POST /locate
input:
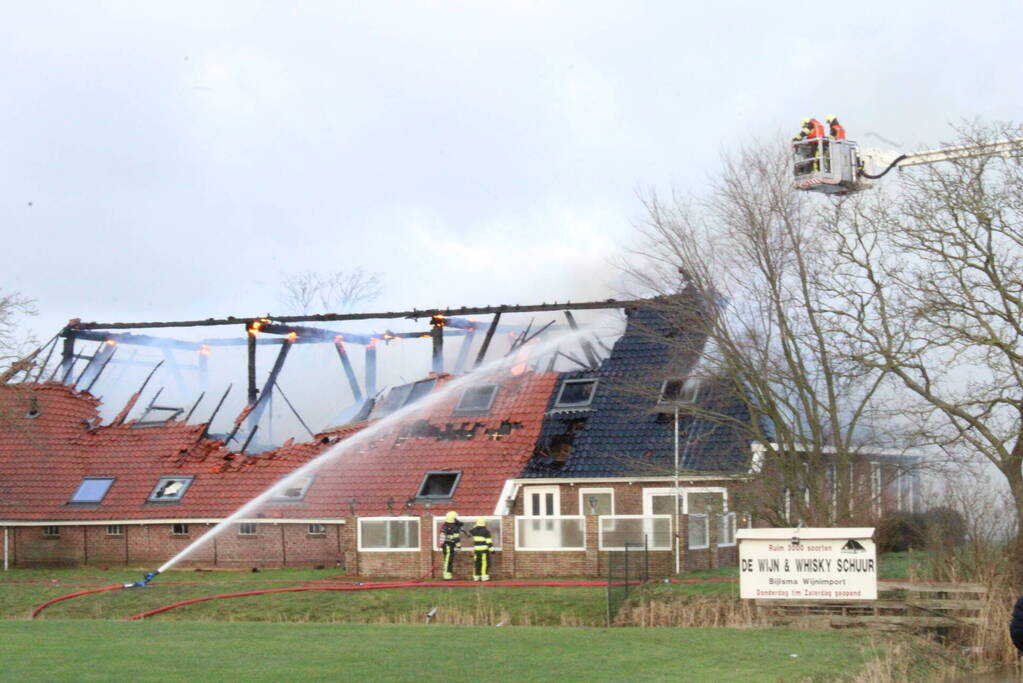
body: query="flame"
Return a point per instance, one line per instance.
(437, 320)
(255, 325)
(292, 336)
(522, 357)
(372, 343)
(111, 342)
(338, 338)
(204, 349)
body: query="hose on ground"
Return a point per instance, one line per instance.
(76, 594)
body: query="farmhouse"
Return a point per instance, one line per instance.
(564, 465)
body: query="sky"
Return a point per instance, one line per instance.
(176, 160)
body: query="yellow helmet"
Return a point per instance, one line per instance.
(831, 118)
(481, 521)
(451, 516)
(805, 121)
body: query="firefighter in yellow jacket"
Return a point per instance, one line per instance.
(482, 545)
(450, 538)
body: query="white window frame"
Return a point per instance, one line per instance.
(584, 506)
(115, 530)
(600, 528)
(419, 535)
(688, 393)
(320, 529)
(51, 531)
(438, 522)
(683, 492)
(188, 480)
(876, 490)
(527, 496)
(184, 530)
(565, 383)
(494, 388)
(734, 523)
(247, 529)
(549, 518)
(706, 533)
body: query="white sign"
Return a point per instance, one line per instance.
(807, 564)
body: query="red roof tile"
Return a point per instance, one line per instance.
(43, 458)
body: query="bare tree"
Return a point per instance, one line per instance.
(929, 289)
(751, 253)
(332, 292)
(14, 343)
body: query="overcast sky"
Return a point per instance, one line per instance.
(174, 160)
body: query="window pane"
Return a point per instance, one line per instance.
(550, 503)
(439, 484)
(91, 490)
(477, 399)
(576, 393)
(170, 488)
(704, 502)
(662, 504)
(420, 389)
(603, 503)
(697, 531)
(389, 534)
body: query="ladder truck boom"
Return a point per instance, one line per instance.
(838, 166)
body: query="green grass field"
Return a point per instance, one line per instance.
(169, 651)
(548, 633)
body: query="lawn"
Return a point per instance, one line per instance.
(66, 650)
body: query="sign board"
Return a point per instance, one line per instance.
(807, 564)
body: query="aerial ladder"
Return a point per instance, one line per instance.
(838, 167)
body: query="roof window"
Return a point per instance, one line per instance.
(680, 391)
(439, 484)
(575, 393)
(475, 400)
(293, 490)
(92, 490)
(169, 489)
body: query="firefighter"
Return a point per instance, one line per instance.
(836, 129)
(450, 538)
(482, 545)
(812, 129)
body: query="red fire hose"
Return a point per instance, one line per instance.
(46, 604)
(380, 585)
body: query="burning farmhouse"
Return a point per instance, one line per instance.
(568, 443)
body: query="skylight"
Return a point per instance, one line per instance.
(680, 391)
(439, 484)
(576, 393)
(294, 490)
(477, 399)
(92, 490)
(169, 489)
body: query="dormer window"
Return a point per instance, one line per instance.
(92, 490)
(476, 400)
(680, 390)
(170, 489)
(576, 393)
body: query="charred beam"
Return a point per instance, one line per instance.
(252, 365)
(135, 396)
(261, 402)
(414, 314)
(371, 370)
(206, 430)
(67, 360)
(109, 354)
(295, 412)
(463, 352)
(486, 339)
(346, 363)
(437, 334)
(591, 355)
(194, 406)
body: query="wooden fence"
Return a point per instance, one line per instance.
(901, 605)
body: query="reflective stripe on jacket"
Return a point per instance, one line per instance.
(481, 538)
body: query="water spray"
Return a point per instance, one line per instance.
(356, 440)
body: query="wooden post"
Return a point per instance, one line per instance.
(252, 366)
(349, 372)
(487, 338)
(437, 335)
